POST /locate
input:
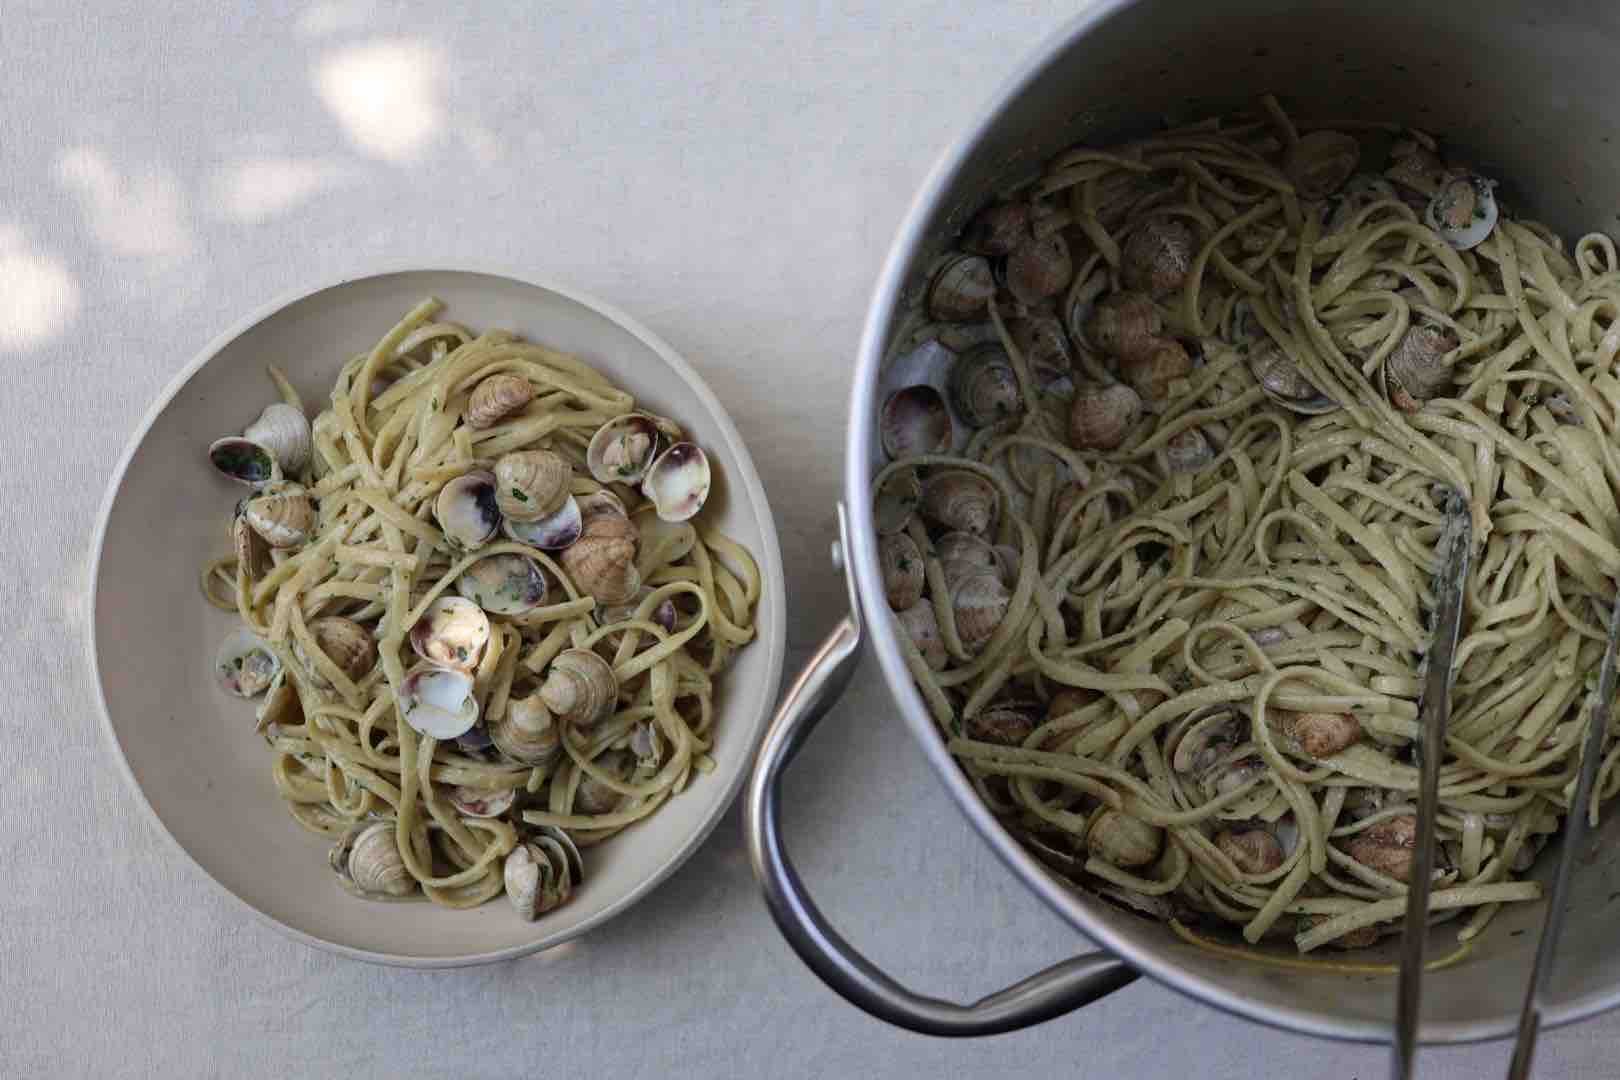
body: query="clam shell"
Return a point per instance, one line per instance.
(896, 501)
(1158, 256)
(1187, 452)
(540, 874)
(1252, 850)
(961, 555)
(678, 482)
(1320, 162)
(1153, 367)
(902, 567)
(647, 743)
(368, 863)
(1007, 723)
(1316, 735)
(1038, 268)
(496, 397)
(1122, 840)
(283, 430)
(252, 553)
(553, 532)
(482, 802)
(1416, 370)
(438, 701)
(580, 688)
(243, 460)
(452, 632)
(997, 229)
(594, 797)
(984, 387)
(527, 732)
(1045, 346)
(1283, 382)
(244, 664)
(624, 448)
(1123, 323)
(531, 484)
(1102, 415)
(506, 584)
(960, 499)
(602, 562)
(1386, 846)
(467, 511)
(284, 518)
(919, 623)
(979, 603)
(961, 288)
(664, 614)
(1463, 211)
(345, 642)
(915, 421)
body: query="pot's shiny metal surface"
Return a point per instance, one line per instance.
(1524, 91)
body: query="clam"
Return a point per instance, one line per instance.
(1123, 324)
(647, 743)
(1283, 382)
(960, 499)
(507, 584)
(1038, 268)
(896, 500)
(531, 484)
(244, 461)
(979, 603)
(902, 565)
(1157, 257)
(482, 802)
(1102, 415)
(344, 642)
(1317, 735)
(1045, 347)
(1415, 370)
(1463, 211)
(496, 397)
(1006, 722)
(593, 796)
(663, 614)
(245, 664)
(541, 873)
(1009, 562)
(1153, 367)
(1386, 846)
(281, 706)
(580, 688)
(284, 517)
(1252, 850)
(678, 482)
(1415, 166)
(283, 430)
(475, 740)
(623, 449)
(368, 862)
(997, 229)
(1122, 840)
(1320, 162)
(438, 702)
(962, 555)
(527, 732)
(984, 387)
(602, 562)
(452, 632)
(961, 288)
(919, 623)
(1187, 452)
(252, 553)
(467, 511)
(915, 421)
(554, 532)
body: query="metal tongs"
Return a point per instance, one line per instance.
(1455, 549)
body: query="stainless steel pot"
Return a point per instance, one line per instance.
(1526, 91)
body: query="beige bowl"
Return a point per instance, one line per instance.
(191, 750)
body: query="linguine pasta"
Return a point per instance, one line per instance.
(1187, 674)
(382, 554)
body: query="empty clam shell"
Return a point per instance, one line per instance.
(553, 532)
(244, 461)
(915, 421)
(438, 701)
(896, 501)
(245, 665)
(345, 642)
(961, 288)
(623, 449)
(506, 584)
(283, 430)
(467, 511)
(453, 631)
(1463, 211)
(678, 482)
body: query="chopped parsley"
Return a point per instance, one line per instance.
(517, 493)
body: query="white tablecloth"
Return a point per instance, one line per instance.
(730, 173)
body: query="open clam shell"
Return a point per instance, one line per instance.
(678, 482)
(916, 421)
(283, 430)
(1284, 383)
(1463, 211)
(624, 449)
(467, 510)
(438, 701)
(506, 584)
(553, 532)
(481, 802)
(245, 665)
(245, 461)
(452, 632)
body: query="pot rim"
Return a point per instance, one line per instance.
(863, 563)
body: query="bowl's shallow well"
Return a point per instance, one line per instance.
(191, 750)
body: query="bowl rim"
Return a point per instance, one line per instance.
(774, 633)
(859, 443)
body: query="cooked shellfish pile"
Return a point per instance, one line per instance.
(1167, 435)
(480, 611)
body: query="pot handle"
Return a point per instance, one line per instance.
(1058, 989)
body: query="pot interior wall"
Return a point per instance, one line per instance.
(1524, 93)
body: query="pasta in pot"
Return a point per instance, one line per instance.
(1161, 520)
(488, 625)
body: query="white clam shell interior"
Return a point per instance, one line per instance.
(439, 702)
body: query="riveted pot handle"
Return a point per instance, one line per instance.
(1058, 989)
